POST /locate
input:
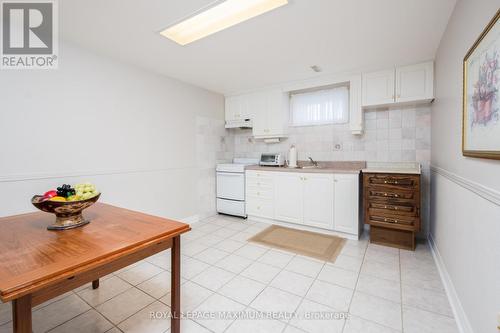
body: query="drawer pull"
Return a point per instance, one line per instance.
(394, 182)
(389, 207)
(385, 194)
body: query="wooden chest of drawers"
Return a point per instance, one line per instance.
(392, 208)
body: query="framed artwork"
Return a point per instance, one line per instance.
(481, 95)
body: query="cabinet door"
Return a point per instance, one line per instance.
(378, 88)
(288, 196)
(258, 108)
(231, 108)
(319, 200)
(277, 112)
(415, 82)
(346, 211)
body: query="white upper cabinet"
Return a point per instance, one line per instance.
(257, 104)
(378, 88)
(268, 110)
(271, 119)
(405, 84)
(232, 108)
(237, 108)
(414, 82)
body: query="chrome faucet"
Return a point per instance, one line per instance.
(313, 161)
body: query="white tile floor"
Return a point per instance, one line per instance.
(382, 289)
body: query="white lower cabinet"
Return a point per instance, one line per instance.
(288, 197)
(346, 199)
(259, 191)
(321, 200)
(318, 200)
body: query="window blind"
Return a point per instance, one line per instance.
(325, 106)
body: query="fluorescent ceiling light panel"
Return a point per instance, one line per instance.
(219, 17)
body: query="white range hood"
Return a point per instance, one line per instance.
(240, 123)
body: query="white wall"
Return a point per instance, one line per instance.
(131, 132)
(465, 211)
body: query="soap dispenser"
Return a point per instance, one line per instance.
(292, 157)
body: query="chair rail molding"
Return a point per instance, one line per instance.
(83, 173)
(481, 190)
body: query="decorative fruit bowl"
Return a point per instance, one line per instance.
(67, 205)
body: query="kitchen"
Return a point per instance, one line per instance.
(381, 117)
(250, 166)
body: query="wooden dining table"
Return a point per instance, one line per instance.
(37, 264)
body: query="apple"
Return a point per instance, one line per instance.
(50, 194)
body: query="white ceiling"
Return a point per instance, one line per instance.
(279, 46)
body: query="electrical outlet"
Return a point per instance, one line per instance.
(337, 146)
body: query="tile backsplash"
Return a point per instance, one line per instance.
(391, 135)
(402, 134)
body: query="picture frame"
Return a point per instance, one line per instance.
(481, 95)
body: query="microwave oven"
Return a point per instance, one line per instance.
(272, 159)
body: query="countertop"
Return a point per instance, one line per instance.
(324, 167)
(393, 167)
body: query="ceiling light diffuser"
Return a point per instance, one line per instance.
(222, 15)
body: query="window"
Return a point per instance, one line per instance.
(325, 106)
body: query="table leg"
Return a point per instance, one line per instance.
(175, 301)
(21, 314)
(95, 284)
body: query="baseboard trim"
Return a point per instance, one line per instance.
(191, 219)
(481, 190)
(456, 306)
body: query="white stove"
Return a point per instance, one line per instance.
(231, 186)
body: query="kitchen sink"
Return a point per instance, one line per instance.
(310, 167)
